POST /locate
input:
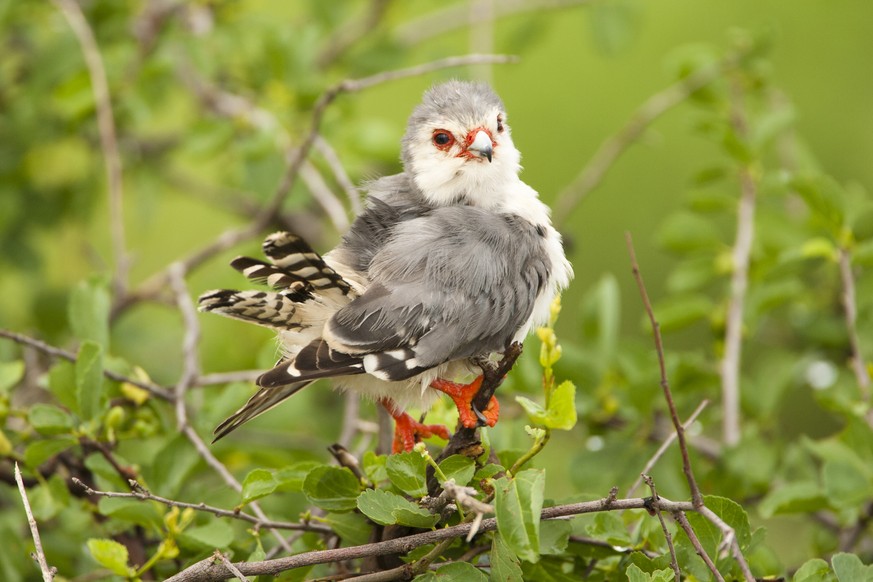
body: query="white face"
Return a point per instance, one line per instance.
(449, 160)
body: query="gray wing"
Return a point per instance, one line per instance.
(455, 283)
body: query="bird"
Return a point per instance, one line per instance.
(451, 261)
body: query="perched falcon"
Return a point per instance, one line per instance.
(452, 260)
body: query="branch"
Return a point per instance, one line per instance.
(106, 127)
(696, 497)
(742, 251)
(45, 348)
(207, 570)
(466, 441)
(615, 145)
(673, 562)
(664, 446)
(140, 493)
(698, 547)
(48, 574)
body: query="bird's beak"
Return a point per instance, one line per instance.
(481, 145)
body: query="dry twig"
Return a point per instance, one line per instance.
(48, 574)
(673, 562)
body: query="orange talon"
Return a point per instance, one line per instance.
(408, 431)
(463, 395)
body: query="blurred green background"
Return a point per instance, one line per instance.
(191, 172)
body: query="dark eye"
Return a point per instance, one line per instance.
(499, 124)
(442, 138)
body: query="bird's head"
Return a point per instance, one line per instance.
(457, 146)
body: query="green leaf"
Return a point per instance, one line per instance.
(218, 534)
(635, 574)
(561, 413)
(62, 383)
(38, 452)
(535, 412)
(374, 466)
(554, 535)
(258, 483)
(611, 529)
(815, 570)
(846, 484)
(332, 488)
(89, 379)
(685, 231)
(177, 459)
(132, 510)
(680, 311)
(291, 478)
(731, 513)
(849, 568)
(352, 527)
(50, 498)
(407, 472)
(459, 468)
(456, 572)
(89, 312)
(49, 420)
(111, 555)
(10, 374)
(504, 564)
(387, 508)
(518, 504)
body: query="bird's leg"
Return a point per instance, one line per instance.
(463, 395)
(408, 431)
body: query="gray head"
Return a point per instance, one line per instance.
(457, 146)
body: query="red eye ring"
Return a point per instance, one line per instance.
(443, 139)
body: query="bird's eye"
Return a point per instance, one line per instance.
(499, 124)
(442, 139)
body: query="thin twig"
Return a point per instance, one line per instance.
(140, 493)
(351, 421)
(614, 146)
(323, 147)
(585, 541)
(229, 565)
(673, 561)
(207, 570)
(108, 140)
(729, 369)
(190, 357)
(850, 311)
(696, 497)
(355, 28)
(695, 541)
(664, 446)
(729, 541)
(227, 377)
(55, 352)
(48, 573)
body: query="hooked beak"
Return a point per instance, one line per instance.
(481, 145)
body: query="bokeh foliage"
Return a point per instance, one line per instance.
(797, 487)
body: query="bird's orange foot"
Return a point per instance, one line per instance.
(408, 431)
(463, 395)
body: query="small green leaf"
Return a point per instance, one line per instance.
(49, 420)
(258, 483)
(89, 312)
(387, 508)
(518, 504)
(849, 568)
(459, 468)
(291, 478)
(535, 412)
(731, 513)
(504, 563)
(635, 574)
(89, 379)
(846, 484)
(332, 488)
(177, 459)
(38, 452)
(111, 555)
(407, 473)
(374, 466)
(457, 572)
(352, 527)
(62, 384)
(611, 529)
(561, 413)
(815, 570)
(554, 535)
(132, 510)
(10, 374)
